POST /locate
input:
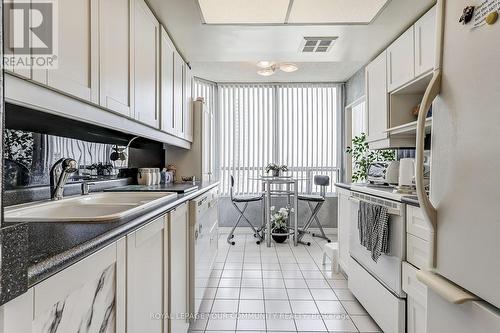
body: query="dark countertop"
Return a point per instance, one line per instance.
(343, 185)
(174, 187)
(40, 250)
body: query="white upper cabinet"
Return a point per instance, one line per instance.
(400, 60)
(167, 83)
(145, 278)
(425, 38)
(146, 69)
(188, 103)
(115, 56)
(377, 98)
(178, 95)
(78, 70)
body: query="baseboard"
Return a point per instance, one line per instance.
(246, 230)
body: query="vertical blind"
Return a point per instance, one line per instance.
(291, 124)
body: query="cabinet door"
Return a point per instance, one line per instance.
(167, 83)
(145, 277)
(146, 69)
(88, 296)
(178, 95)
(425, 37)
(8, 48)
(78, 71)
(115, 55)
(377, 98)
(401, 60)
(179, 268)
(188, 104)
(344, 221)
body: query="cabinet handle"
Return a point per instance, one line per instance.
(444, 288)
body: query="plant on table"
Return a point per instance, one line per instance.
(362, 157)
(279, 223)
(276, 169)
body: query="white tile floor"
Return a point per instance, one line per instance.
(279, 289)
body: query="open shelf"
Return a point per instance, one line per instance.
(409, 128)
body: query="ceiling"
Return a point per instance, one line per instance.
(229, 53)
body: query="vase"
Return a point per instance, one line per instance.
(280, 238)
(276, 173)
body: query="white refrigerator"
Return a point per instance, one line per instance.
(464, 208)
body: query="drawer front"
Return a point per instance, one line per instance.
(412, 286)
(416, 224)
(418, 252)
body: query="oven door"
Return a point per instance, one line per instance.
(388, 268)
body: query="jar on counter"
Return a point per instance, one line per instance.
(145, 176)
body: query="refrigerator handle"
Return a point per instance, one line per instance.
(432, 91)
(444, 288)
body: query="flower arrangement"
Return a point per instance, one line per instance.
(279, 223)
(276, 169)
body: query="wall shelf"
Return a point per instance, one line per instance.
(409, 128)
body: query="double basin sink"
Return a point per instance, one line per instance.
(95, 207)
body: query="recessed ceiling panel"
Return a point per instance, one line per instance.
(244, 11)
(334, 11)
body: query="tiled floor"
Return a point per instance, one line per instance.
(279, 289)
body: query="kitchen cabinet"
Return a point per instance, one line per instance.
(87, 296)
(178, 236)
(116, 56)
(188, 103)
(145, 277)
(146, 65)
(344, 221)
(425, 37)
(78, 69)
(416, 300)
(167, 83)
(178, 95)
(401, 60)
(377, 98)
(418, 237)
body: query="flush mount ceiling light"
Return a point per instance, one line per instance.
(270, 70)
(300, 12)
(265, 64)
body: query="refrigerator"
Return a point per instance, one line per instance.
(464, 202)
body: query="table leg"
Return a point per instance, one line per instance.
(263, 211)
(296, 214)
(268, 215)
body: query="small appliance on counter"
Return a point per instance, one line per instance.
(383, 173)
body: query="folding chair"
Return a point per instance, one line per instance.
(240, 199)
(323, 182)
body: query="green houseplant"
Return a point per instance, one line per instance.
(362, 157)
(276, 169)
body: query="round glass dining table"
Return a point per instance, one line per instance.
(282, 186)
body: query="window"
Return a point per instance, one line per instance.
(291, 124)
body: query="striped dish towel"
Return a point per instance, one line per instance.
(373, 227)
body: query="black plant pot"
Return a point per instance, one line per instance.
(276, 173)
(280, 238)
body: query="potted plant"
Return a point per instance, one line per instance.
(362, 157)
(276, 169)
(279, 224)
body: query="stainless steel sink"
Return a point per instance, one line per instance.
(95, 207)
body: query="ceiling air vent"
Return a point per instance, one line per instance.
(317, 44)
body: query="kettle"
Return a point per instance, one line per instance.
(406, 172)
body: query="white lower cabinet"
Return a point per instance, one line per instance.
(344, 220)
(88, 296)
(145, 278)
(416, 301)
(178, 227)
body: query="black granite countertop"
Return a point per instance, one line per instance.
(36, 251)
(411, 200)
(343, 185)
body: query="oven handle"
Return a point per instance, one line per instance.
(390, 210)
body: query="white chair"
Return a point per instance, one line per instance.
(331, 251)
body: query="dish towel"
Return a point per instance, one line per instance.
(373, 227)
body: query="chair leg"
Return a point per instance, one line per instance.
(318, 223)
(231, 234)
(307, 225)
(242, 216)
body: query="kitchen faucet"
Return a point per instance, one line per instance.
(59, 174)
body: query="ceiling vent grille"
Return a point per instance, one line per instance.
(317, 44)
